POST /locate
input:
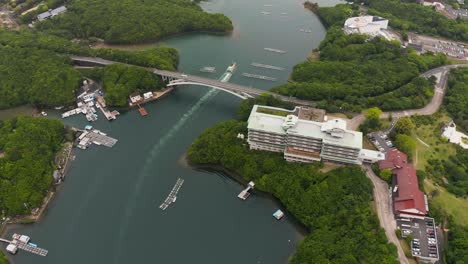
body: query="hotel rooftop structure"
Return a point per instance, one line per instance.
(370, 25)
(303, 136)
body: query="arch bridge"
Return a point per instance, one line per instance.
(177, 79)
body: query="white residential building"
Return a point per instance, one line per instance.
(301, 140)
(51, 13)
(370, 25)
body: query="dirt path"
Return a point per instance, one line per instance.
(384, 211)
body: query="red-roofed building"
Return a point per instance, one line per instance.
(408, 200)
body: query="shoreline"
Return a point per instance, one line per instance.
(216, 168)
(102, 44)
(53, 189)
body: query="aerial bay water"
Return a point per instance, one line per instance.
(107, 210)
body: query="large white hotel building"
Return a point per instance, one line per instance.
(303, 136)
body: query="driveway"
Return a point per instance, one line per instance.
(384, 211)
(439, 92)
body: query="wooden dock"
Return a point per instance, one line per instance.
(172, 196)
(142, 110)
(245, 193)
(35, 250)
(20, 245)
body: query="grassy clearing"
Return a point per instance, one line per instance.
(272, 111)
(447, 202)
(438, 148)
(407, 249)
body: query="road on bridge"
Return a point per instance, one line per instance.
(236, 88)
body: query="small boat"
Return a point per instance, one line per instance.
(175, 198)
(302, 30)
(232, 68)
(278, 214)
(265, 12)
(32, 244)
(43, 113)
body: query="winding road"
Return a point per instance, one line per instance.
(384, 211)
(439, 91)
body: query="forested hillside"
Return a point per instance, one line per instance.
(119, 81)
(132, 21)
(35, 69)
(417, 18)
(28, 147)
(335, 206)
(354, 73)
(36, 77)
(161, 57)
(456, 98)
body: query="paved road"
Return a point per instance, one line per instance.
(236, 88)
(429, 109)
(384, 210)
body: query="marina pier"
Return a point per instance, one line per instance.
(22, 242)
(245, 193)
(173, 195)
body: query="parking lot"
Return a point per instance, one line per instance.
(456, 13)
(449, 48)
(381, 141)
(425, 243)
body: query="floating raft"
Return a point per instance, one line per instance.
(275, 50)
(261, 77)
(173, 195)
(266, 66)
(208, 69)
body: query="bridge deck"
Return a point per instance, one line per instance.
(202, 81)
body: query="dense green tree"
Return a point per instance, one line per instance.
(132, 21)
(418, 18)
(354, 73)
(161, 57)
(386, 175)
(29, 145)
(404, 125)
(406, 144)
(37, 77)
(119, 81)
(456, 99)
(457, 249)
(3, 258)
(373, 113)
(336, 15)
